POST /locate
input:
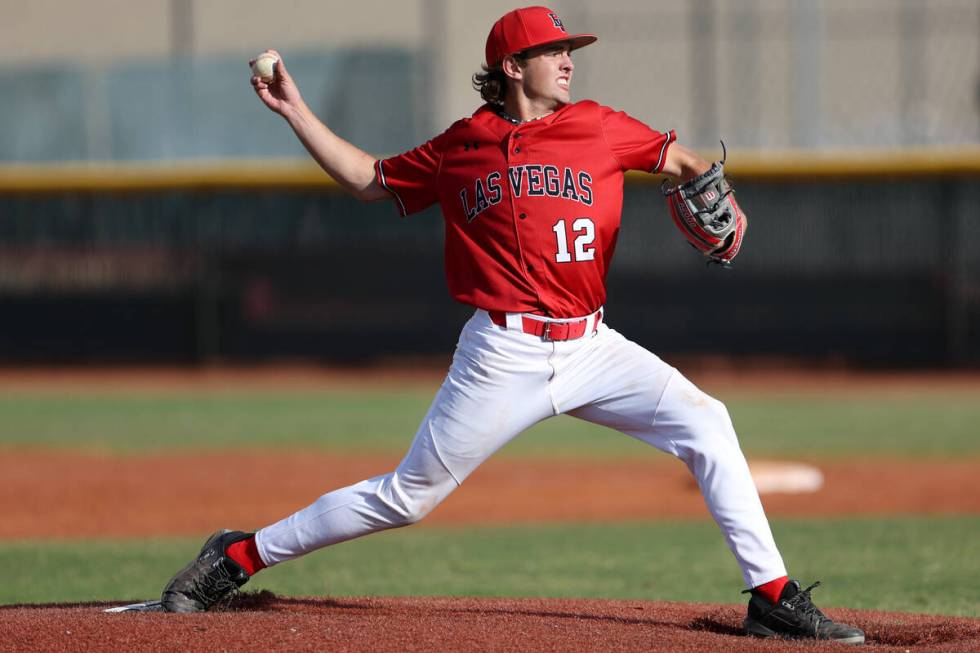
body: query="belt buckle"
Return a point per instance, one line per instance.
(546, 336)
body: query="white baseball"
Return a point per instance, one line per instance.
(264, 67)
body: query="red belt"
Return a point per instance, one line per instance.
(547, 330)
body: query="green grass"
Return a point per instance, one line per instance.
(897, 425)
(913, 564)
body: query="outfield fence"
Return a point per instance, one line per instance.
(869, 259)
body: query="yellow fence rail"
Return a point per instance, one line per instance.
(299, 174)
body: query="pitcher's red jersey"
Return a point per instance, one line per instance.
(532, 211)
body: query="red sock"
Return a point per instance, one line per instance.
(771, 590)
(245, 553)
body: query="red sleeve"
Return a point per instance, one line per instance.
(411, 177)
(635, 146)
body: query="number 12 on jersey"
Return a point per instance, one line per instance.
(584, 251)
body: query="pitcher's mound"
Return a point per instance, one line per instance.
(264, 622)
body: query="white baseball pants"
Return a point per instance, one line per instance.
(503, 381)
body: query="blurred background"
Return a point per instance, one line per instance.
(198, 329)
(153, 211)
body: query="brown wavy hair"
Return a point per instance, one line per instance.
(492, 82)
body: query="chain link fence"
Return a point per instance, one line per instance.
(760, 74)
(790, 73)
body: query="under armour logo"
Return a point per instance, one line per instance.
(557, 21)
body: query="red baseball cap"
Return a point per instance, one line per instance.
(529, 27)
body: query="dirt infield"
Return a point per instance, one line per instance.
(263, 622)
(101, 495)
(87, 494)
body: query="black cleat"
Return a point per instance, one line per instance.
(795, 617)
(209, 578)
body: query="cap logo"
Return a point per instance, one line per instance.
(557, 21)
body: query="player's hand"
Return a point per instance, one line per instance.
(281, 94)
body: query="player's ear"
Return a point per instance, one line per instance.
(512, 67)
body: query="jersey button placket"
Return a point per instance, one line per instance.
(514, 159)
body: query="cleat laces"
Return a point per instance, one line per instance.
(210, 588)
(803, 604)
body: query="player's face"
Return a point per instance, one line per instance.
(547, 74)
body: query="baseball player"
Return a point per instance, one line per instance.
(531, 191)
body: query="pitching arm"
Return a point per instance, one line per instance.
(349, 165)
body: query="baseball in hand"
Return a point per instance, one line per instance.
(264, 67)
